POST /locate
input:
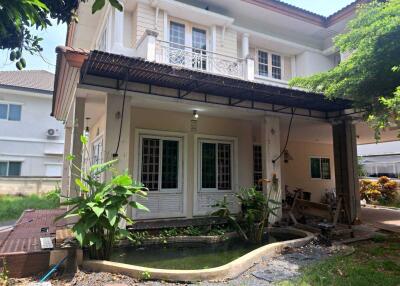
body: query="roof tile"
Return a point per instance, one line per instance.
(34, 79)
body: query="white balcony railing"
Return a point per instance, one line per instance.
(199, 59)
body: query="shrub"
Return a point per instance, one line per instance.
(383, 191)
(256, 209)
(101, 208)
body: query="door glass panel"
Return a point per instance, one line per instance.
(199, 44)
(208, 166)
(170, 164)
(224, 166)
(257, 166)
(150, 163)
(177, 39)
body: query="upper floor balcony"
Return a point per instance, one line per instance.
(199, 59)
(153, 49)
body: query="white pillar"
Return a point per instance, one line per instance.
(346, 171)
(118, 30)
(248, 67)
(65, 180)
(245, 45)
(271, 149)
(76, 150)
(165, 24)
(146, 47)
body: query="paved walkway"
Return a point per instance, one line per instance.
(387, 219)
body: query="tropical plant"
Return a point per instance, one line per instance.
(370, 76)
(101, 207)
(255, 211)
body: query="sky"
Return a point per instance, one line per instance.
(55, 35)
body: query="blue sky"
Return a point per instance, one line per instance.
(55, 35)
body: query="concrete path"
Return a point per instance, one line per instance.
(384, 218)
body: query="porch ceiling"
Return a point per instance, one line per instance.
(186, 81)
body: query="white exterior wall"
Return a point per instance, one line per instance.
(309, 63)
(26, 140)
(227, 43)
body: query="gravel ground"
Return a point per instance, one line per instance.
(281, 267)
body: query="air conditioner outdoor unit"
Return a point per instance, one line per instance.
(52, 133)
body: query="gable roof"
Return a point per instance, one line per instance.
(306, 15)
(28, 79)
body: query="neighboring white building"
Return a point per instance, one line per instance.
(381, 159)
(31, 141)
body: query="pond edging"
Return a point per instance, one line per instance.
(227, 271)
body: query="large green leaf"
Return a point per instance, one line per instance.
(112, 215)
(116, 4)
(97, 5)
(81, 185)
(138, 206)
(122, 180)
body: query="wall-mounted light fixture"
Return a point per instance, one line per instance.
(195, 114)
(86, 132)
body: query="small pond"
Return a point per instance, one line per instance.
(189, 256)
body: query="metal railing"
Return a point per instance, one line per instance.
(198, 59)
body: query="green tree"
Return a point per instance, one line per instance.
(17, 17)
(370, 76)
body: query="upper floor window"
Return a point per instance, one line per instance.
(276, 67)
(10, 168)
(11, 112)
(269, 64)
(320, 168)
(177, 34)
(262, 63)
(199, 44)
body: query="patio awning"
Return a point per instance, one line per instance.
(119, 69)
(186, 80)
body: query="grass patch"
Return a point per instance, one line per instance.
(11, 207)
(373, 263)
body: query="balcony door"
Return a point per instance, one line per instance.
(199, 44)
(176, 53)
(187, 46)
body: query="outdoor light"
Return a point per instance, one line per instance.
(86, 132)
(195, 114)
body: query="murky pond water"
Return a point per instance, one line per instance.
(190, 255)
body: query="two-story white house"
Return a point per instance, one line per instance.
(192, 97)
(31, 141)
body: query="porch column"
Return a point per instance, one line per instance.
(65, 180)
(271, 149)
(146, 47)
(248, 67)
(245, 45)
(76, 150)
(346, 176)
(114, 115)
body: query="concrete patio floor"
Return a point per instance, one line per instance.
(380, 217)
